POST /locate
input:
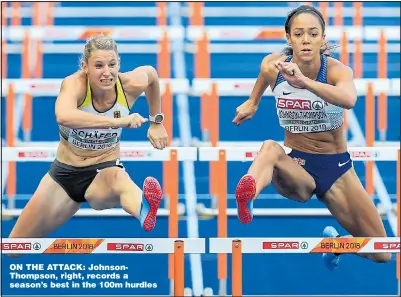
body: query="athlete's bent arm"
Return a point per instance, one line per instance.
(152, 92)
(146, 79)
(247, 109)
(261, 83)
(342, 93)
(67, 113)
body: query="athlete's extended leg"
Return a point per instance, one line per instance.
(351, 205)
(112, 187)
(272, 165)
(48, 208)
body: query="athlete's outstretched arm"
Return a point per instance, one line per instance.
(342, 93)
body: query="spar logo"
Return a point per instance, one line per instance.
(297, 104)
(36, 154)
(251, 154)
(300, 104)
(282, 245)
(393, 246)
(136, 154)
(317, 105)
(126, 247)
(16, 246)
(364, 154)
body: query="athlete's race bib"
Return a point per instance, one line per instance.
(303, 115)
(98, 139)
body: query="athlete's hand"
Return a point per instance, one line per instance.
(245, 112)
(134, 120)
(291, 73)
(157, 136)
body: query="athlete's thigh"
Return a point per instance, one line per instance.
(103, 191)
(48, 208)
(292, 181)
(351, 205)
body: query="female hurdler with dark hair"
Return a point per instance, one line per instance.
(311, 91)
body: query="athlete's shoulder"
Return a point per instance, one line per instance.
(138, 79)
(75, 82)
(273, 57)
(78, 76)
(267, 68)
(337, 70)
(269, 60)
(336, 65)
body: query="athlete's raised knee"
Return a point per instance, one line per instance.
(120, 177)
(272, 148)
(270, 144)
(122, 182)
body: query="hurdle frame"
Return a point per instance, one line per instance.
(252, 245)
(222, 155)
(171, 155)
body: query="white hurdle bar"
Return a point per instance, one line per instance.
(208, 154)
(51, 87)
(196, 87)
(74, 33)
(243, 86)
(141, 154)
(101, 245)
(149, 154)
(305, 245)
(228, 33)
(248, 154)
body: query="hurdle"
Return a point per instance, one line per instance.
(137, 154)
(171, 155)
(176, 247)
(239, 246)
(222, 155)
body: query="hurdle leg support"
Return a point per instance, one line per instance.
(179, 268)
(236, 278)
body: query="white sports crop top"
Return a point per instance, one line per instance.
(98, 139)
(301, 111)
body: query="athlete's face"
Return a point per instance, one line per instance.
(306, 36)
(102, 69)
